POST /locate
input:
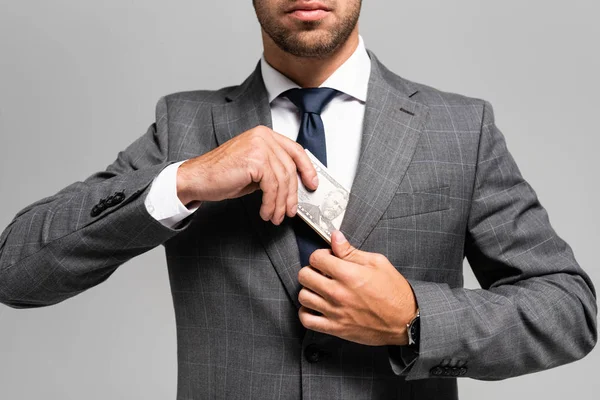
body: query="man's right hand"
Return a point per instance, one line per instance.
(256, 159)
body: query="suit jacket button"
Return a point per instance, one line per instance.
(437, 371)
(119, 197)
(312, 353)
(455, 371)
(97, 210)
(462, 371)
(110, 201)
(101, 206)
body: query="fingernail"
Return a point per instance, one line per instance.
(316, 181)
(264, 216)
(294, 210)
(339, 237)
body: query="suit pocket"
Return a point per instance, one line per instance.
(421, 202)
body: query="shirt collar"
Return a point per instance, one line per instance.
(352, 77)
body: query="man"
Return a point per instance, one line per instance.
(332, 207)
(214, 180)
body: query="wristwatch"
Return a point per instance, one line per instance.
(413, 329)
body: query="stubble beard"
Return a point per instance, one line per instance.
(309, 41)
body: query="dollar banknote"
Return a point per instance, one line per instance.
(323, 209)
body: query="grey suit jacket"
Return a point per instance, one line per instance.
(435, 184)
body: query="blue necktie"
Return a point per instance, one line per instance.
(311, 102)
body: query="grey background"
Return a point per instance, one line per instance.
(69, 64)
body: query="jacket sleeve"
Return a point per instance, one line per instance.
(536, 308)
(64, 244)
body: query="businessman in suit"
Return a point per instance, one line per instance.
(261, 310)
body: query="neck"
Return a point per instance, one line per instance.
(308, 71)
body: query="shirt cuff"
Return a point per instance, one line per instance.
(162, 202)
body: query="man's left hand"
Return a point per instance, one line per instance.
(357, 296)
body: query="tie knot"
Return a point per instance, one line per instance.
(311, 100)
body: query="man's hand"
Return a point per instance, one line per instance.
(360, 296)
(256, 159)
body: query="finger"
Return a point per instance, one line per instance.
(342, 249)
(315, 281)
(325, 262)
(312, 300)
(269, 186)
(283, 179)
(319, 323)
(291, 175)
(308, 173)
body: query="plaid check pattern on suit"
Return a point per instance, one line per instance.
(435, 184)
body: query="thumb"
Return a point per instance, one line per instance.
(343, 249)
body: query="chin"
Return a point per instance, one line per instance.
(315, 43)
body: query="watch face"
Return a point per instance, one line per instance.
(414, 331)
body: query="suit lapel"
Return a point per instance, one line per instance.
(248, 107)
(392, 126)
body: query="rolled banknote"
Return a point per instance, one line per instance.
(323, 209)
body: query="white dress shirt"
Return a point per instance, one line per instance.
(342, 118)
